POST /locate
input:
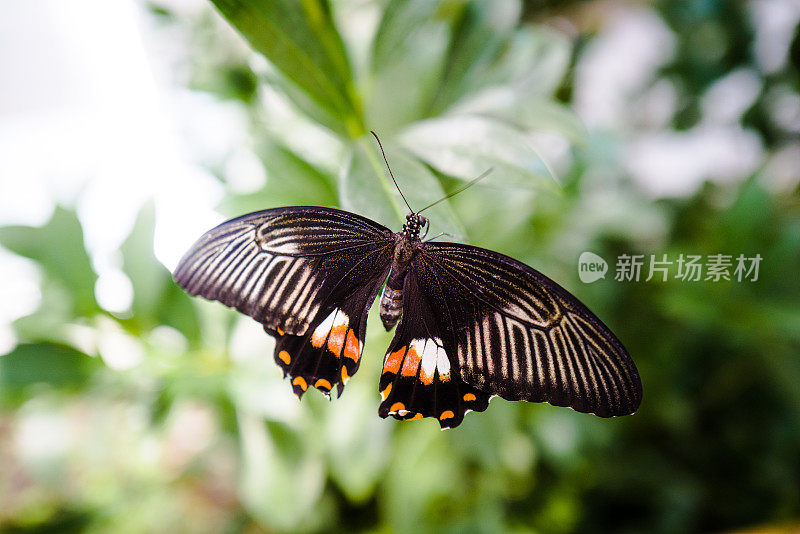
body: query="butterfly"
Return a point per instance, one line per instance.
(471, 323)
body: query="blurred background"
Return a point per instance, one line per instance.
(128, 128)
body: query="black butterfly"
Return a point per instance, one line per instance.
(473, 323)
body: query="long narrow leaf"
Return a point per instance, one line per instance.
(400, 20)
(301, 40)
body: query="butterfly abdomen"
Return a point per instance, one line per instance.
(392, 296)
(391, 306)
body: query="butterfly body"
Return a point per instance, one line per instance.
(471, 323)
(406, 243)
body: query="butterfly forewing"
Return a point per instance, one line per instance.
(308, 274)
(520, 335)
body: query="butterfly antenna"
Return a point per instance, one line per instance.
(454, 193)
(390, 171)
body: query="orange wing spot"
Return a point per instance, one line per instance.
(417, 416)
(447, 414)
(284, 357)
(469, 397)
(318, 339)
(394, 360)
(280, 332)
(410, 363)
(322, 383)
(352, 347)
(345, 376)
(425, 378)
(385, 392)
(336, 339)
(397, 406)
(445, 377)
(300, 381)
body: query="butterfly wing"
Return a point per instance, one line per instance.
(515, 333)
(420, 376)
(307, 274)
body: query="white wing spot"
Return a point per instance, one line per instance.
(434, 357)
(336, 318)
(427, 349)
(442, 362)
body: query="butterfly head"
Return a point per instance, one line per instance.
(414, 225)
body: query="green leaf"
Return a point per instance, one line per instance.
(59, 248)
(232, 81)
(534, 62)
(52, 320)
(466, 146)
(59, 366)
(352, 425)
(544, 115)
(139, 263)
(396, 33)
(366, 188)
(528, 112)
(402, 89)
(479, 31)
(305, 104)
(300, 39)
(290, 181)
(157, 299)
(418, 479)
(282, 478)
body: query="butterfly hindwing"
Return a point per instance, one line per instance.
(308, 274)
(420, 377)
(521, 336)
(330, 352)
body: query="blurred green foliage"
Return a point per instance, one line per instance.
(172, 416)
